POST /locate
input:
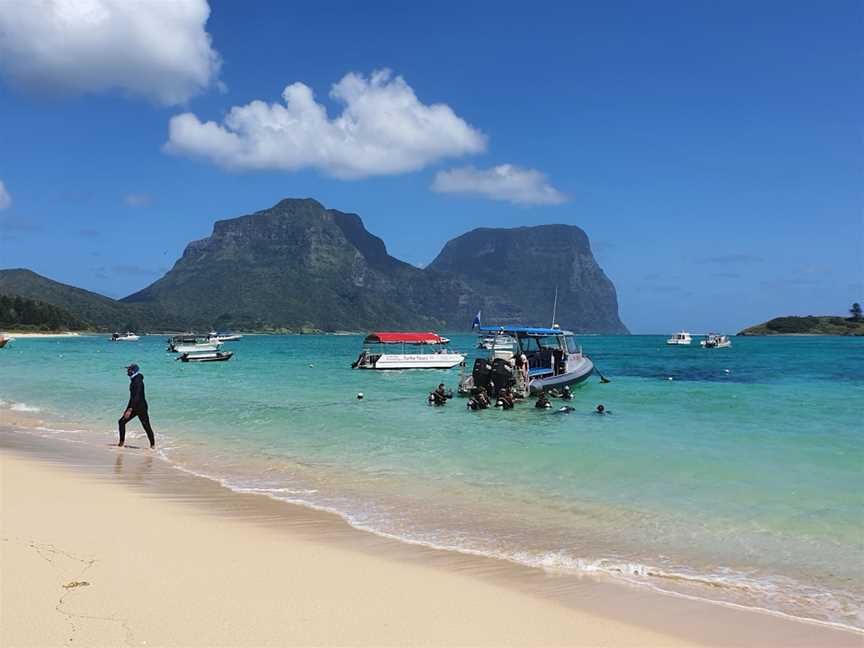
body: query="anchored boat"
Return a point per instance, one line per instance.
(394, 350)
(215, 356)
(126, 337)
(713, 341)
(192, 343)
(682, 338)
(537, 359)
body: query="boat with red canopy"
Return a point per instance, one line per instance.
(406, 350)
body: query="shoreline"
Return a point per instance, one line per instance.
(606, 603)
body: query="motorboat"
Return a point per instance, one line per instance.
(406, 350)
(4, 341)
(491, 342)
(192, 344)
(224, 337)
(679, 339)
(126, 337)
(538, 359)
(214, 356)
(713, 341)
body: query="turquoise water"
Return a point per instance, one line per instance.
(739, 480)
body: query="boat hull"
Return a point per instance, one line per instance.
(389, 361)
(576, 376)
(196, 348)
(217, 356)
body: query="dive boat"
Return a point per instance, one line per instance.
(213, 356)
(192, 344)
(392, 350)
(538, 359)
(682, 338)
(713, 341)
(127, 337)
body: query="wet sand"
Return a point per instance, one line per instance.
(102, 546)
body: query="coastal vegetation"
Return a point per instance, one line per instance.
(808, 325)
(22, 314)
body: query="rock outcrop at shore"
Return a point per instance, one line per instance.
(809, 325)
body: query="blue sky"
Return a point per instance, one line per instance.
(712, 151)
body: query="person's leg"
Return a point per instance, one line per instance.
(121, 426)
(145, 423)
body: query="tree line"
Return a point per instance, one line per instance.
(22, 313)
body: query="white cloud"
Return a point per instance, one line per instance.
(383, 129)
(5, 198)
(138, 200)
(503, 182)
(158, 50)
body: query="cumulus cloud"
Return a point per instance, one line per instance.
(138, 200)
(158, 50)
(383, 129)
(503, 182)
(5, 198)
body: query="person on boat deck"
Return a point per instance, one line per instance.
(522, 366)
(137, 406)
(505, 399)
(542, 401)
(601, 410)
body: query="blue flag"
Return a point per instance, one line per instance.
(476, 323)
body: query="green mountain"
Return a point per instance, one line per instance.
(299, 264)
(91, 309)
(514, 275)
(809, 325)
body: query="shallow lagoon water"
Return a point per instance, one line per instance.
(741, 479)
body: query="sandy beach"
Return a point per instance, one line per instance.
(108, 547)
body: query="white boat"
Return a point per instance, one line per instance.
(680, 338)
(192, 344)
(713, 341)
(389, 350)
(126, 337)
(224, 337)
(493, 342)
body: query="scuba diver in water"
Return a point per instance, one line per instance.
(479, 400)
(543, 401)
(505, 399)
(566, 409)
(601, 410)
(439, 396)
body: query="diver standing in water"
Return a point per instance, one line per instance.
(137, 406)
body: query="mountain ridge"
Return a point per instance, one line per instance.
(300, 265)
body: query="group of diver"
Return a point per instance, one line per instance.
(505, 399)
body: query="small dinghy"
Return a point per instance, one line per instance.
(211, 356)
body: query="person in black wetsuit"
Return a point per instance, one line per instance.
(542, 401)
(137, 406)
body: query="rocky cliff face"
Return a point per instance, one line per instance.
(294, 265)
(301, 265)
(513, 275)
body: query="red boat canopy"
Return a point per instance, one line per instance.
(404, 338)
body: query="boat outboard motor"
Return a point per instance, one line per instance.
(502, 375)
(481, 373)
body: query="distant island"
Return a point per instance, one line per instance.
(809, 325)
